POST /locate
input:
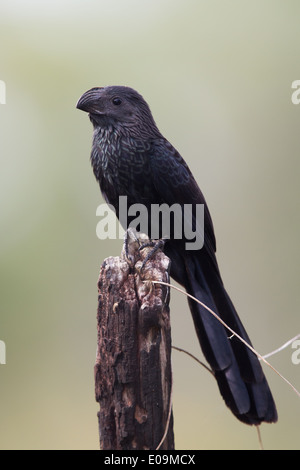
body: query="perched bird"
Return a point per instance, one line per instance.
(130, 157)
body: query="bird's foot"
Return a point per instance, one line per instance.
(156, 245)
(133, 243)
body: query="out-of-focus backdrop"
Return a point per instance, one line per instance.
(218, 77)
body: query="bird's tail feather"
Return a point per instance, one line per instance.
(236, 368)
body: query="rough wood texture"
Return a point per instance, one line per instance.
(133, 364)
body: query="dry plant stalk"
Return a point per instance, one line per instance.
(260, 357)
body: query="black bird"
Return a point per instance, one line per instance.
(130, 157)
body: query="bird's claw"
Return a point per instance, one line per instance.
(156, 245)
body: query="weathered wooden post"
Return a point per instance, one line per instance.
(133, 378)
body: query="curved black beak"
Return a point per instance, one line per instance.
(90, 100)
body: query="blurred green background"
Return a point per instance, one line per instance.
(217, 75)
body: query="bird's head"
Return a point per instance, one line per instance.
(117, 106)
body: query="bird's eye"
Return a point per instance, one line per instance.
(116, 101)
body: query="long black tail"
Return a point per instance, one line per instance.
(237, 370)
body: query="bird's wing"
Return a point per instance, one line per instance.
(175, 183)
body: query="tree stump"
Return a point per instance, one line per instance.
(133, 378)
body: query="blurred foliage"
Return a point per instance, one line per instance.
(217, 76)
